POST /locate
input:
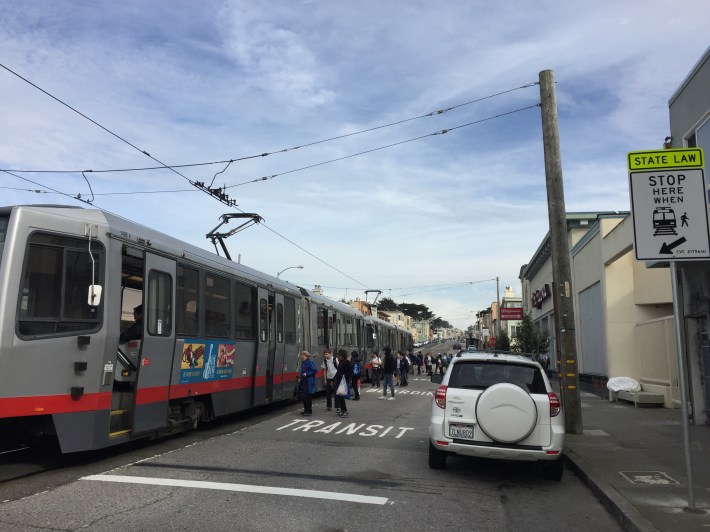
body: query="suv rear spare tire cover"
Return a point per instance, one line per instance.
(506, 413)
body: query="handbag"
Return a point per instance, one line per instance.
(300, 389)
(342, 390)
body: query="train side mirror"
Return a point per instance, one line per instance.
(94, 295)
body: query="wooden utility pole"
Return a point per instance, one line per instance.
(497, 331)
(561, 270)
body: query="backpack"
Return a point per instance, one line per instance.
(356, 368)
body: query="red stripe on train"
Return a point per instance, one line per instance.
(53, 404)
(65, 404)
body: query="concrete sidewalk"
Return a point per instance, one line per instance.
(634, 461)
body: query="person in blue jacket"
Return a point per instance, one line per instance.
(307, 384)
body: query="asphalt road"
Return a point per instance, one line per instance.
(279, 470)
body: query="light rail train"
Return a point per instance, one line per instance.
(216, 336)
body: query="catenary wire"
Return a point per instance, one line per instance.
(257, 180)
(76, 197)
(96, 123)
(440, 132)
(284, 150)
(163, 165)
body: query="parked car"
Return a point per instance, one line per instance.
(498, 406)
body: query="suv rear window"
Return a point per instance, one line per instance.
(480, 374)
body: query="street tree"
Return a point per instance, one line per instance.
(531, 339)
(387, 304)
(503, 341)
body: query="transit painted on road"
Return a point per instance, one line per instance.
(348, 429)
(400, 392)
(245, 488)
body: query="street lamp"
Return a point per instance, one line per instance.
(289, 268)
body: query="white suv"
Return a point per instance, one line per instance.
(496, 406)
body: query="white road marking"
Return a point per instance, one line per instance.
(268, 490)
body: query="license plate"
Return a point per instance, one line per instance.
(463, 432)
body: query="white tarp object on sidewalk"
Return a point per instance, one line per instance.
(625, 384)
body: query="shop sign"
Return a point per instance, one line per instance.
(539, 296)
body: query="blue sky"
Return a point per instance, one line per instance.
(195, 82)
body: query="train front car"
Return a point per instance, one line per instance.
(111, 331)
(51, 314)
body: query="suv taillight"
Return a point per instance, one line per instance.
(440, 396)
(554, 404)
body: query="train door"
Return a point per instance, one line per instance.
(279, 348)
(145, 352)
(266, 360)
(157, 346)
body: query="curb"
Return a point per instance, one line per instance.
(623, 511)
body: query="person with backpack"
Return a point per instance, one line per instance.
(403, 369)
(355, 361)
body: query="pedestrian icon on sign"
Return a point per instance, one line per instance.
(684, 220)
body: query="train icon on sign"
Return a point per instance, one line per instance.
(664, 221)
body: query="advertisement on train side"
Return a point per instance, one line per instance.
(206, 360)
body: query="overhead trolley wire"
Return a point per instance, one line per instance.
(266, 178)
(144, 152)
(434, 288)
(440, 132)
(201, 186)
(76, 197)
(265, 154)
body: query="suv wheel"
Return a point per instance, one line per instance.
(553, 470)
(506, 413)
(437, 458)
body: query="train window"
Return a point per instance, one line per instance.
(186, 298)
(160, 295)
(289, 320)
(217, 304)
(321, 313)
(279, 323)
(263, 319)
(341, 330)
(55, 285)
(349, 337)
(331, 336)
(370, 336)
(244, 319)
(4, 220)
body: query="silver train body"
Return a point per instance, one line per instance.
(216, 338)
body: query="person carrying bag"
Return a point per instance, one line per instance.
(307, 382)
(342, 377)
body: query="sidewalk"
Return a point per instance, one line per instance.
(633, 459)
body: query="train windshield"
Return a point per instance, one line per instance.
(4, 220)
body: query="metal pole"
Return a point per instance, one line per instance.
(683, 387)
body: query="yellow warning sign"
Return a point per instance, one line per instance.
(679, 158)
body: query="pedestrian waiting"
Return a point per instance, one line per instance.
(389, 367)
